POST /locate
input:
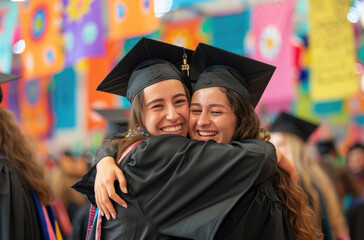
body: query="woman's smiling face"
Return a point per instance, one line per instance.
(211, 116)
(166, 108)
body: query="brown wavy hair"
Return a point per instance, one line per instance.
(303, 221)
(17, 150)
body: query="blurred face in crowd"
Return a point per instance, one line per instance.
(73, 165)
(211, 116)
(355, 160)
(166, 108)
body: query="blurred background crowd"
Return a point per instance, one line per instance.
(62, 50)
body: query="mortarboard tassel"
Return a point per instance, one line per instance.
(185, 66)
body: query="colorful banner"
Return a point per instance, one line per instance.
(332, 50)
(301, 18)
(327, 108)
(64, 104)
(11, 97)
(361, 53)
(228, 32)
(40, 23)
(131, 18)
(98, 69)
(83, 29)
(8, 21)
(335, 111)
(303, 106)
(186, 33)
(359, 120)
(35, 115)
(183, 3)
(355, 104)
(130, 42)
(272, 31)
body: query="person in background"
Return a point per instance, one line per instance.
(352, 182)
(352, 201)
(349, 192)
(290, 133)
(25, 195)
(355, 162)
(71, 165)
(327, 150)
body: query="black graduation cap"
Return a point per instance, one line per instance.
(6, 78)
(148, 62)
(117, 120)
(215, 67)
(325, 146)
(290, 124)
(115, 115)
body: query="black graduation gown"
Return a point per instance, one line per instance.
(181, 187)
(18, 214)
(79, 223)
(355, 218)
(259, 214)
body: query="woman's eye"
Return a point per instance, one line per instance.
(216, 112)
(157, 106)
(181, 101)
(195, 111)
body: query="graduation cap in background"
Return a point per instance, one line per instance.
(148, 62)
(215, 67)
(325, 146)
(290, 124)
(6, 78)
(117, 119)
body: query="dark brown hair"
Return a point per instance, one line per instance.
(16, 148)
(247, 121)
(303, 221)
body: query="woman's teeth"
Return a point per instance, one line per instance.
(201, 133)
(172, 129)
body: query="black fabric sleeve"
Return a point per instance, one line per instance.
(268, 170)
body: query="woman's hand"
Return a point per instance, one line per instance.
(286, 165)
(107, 173)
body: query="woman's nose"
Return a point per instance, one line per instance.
(172, 114)
(203, 119)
